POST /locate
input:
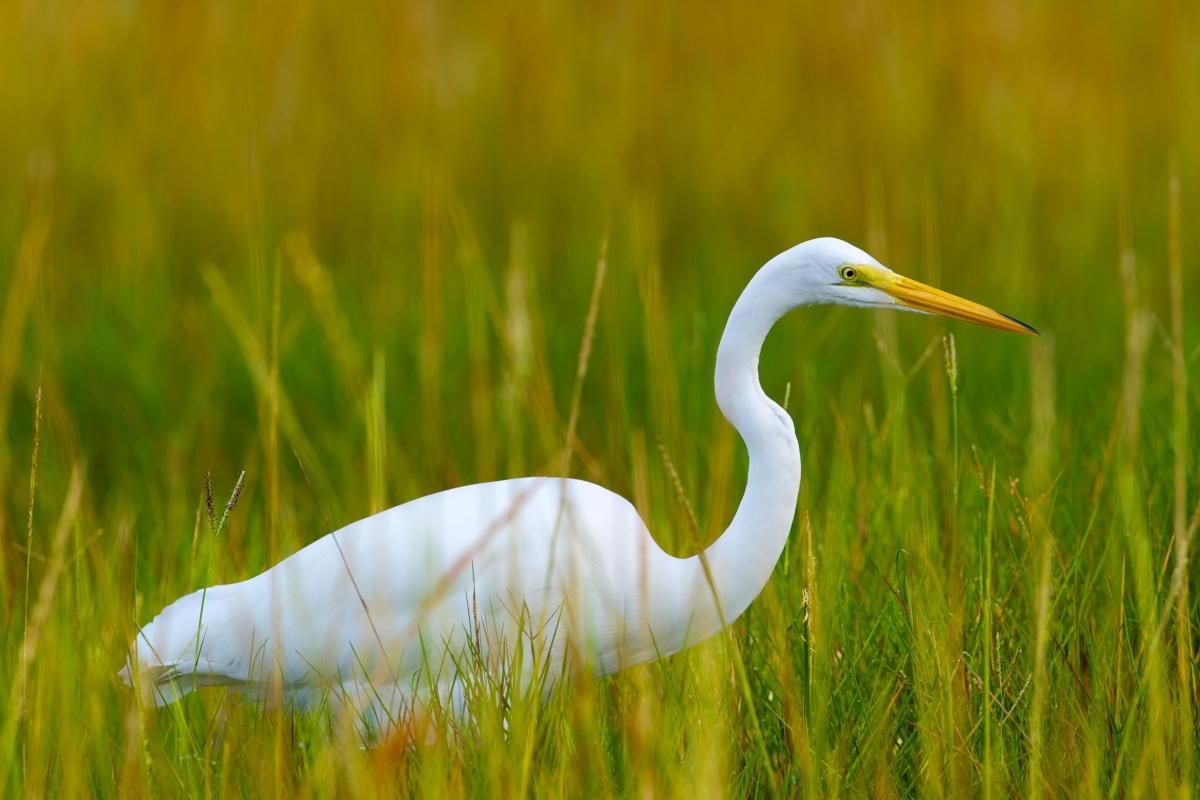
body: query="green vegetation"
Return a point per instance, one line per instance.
(350, 250)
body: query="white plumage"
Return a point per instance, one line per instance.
(383, 611)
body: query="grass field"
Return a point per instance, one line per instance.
(351, 251)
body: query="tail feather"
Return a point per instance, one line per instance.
(166, 683)
(172, 655)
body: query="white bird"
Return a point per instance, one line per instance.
(382, 613)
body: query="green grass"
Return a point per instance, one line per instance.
(352, 253)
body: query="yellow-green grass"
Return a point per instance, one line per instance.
(351, 250)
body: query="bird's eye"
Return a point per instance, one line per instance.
(848, 273)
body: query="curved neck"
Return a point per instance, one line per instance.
(741, 561)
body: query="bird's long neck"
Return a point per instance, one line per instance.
(742, 559)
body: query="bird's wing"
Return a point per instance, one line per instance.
(415, 585)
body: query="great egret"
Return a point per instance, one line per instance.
(381, 612)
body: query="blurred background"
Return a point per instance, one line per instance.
(350, 249)
(426, 153)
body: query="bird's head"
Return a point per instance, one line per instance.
(832, 272)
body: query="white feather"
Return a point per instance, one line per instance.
(564, 569)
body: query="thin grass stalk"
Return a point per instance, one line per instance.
(813, 640)
(36, 624)
(19, 300)
(727, 633)
(1179, 581)
(431, 346)
(376, 435)
(1037, 712)
(322, 296)
(1150, 767)
(258, 364)
(989, 767)
(950, 351)
(33, 472)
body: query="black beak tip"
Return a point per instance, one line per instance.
(1028, 328)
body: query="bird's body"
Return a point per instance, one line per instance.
(561, 570)
(550, 565)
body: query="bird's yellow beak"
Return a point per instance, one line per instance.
(922, 297)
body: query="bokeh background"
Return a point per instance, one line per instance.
(350, 248)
